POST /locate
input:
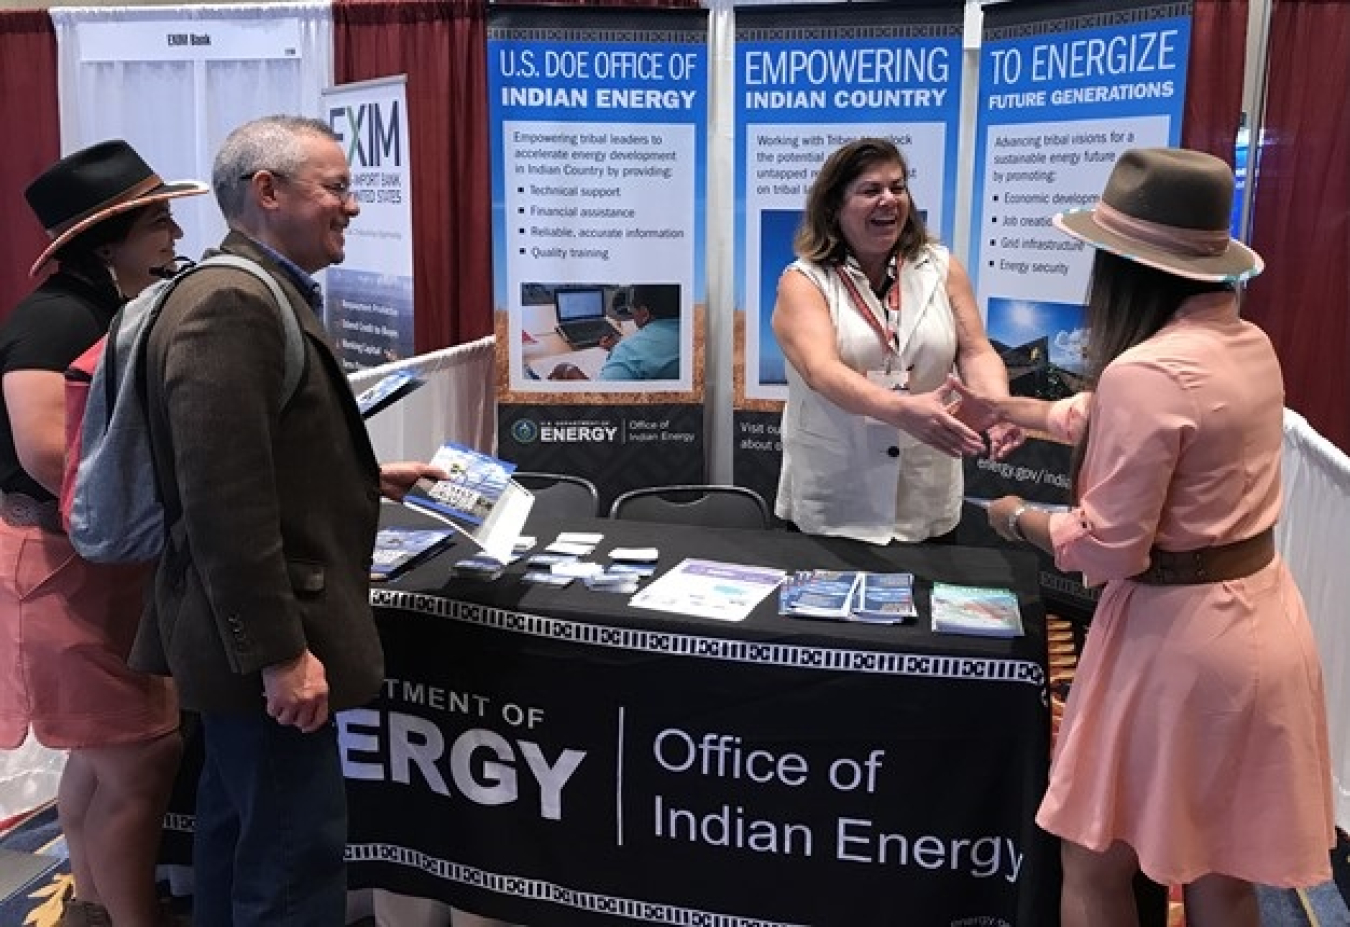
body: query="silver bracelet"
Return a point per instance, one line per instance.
(1013, 528)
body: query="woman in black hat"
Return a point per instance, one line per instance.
(67, 625)
(1194, 744)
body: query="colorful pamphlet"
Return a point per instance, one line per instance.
(885, 598)
(709, 589)
(477, 499)
(818, 593)
(387, 391)
(980, 610)
(398, 549)
(848, 595)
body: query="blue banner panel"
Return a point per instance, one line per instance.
(598, 125)
(810, 79)
(1061, 96)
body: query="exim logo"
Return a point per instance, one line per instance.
(370, 132)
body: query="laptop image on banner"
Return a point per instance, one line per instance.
(581, 316)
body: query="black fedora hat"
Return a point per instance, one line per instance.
(94, 184)
(1167, 208)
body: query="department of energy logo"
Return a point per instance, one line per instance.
(525, 431)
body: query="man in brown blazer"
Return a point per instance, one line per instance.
(260, 608)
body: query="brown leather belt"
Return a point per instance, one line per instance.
(1209, 564)
(20, 511)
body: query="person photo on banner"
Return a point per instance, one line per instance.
(68, 623)
(1194, 744)
(873, 317)
(650, 353)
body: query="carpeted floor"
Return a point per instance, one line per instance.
(33, 871)
(34, 880)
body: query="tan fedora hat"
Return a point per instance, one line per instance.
(94, 184)
(1167, 208)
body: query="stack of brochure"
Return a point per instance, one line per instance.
(848, 595)
(980, 610)
(398, 550)
(886, 598)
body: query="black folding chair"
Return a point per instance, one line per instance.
(560, 495)
(708, 505)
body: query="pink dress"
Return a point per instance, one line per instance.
(1195, 729)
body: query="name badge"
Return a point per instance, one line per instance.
(897, 380)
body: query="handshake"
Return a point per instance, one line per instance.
(955, 420)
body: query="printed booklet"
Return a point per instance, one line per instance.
(399, 549)
(479, 499)
(885, 598)
(386, 392)
(848, 595)
(979, 610)
(818, 593)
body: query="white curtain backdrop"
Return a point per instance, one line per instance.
(173, 81)
(458, 402)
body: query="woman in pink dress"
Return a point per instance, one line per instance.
(1194, 742)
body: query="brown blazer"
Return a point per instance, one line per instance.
(279, 506)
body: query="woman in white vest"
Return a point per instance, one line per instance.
(872, 317)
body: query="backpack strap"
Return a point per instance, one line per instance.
(293, 349)
(294, 339)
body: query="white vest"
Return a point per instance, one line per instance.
(852, 476)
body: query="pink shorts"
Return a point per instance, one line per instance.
(66, 628)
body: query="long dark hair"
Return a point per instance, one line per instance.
(818, 237)
(1128, 303)
(80, 254)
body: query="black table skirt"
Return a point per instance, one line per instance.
(555, 757)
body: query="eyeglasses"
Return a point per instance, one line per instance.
(341, 189)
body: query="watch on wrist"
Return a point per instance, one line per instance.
(1013, 528)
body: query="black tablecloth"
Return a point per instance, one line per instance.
(555, 757)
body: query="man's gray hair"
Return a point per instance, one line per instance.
(271, 143)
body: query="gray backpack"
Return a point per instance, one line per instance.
(115, 512)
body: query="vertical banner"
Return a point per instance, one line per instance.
(598, 131)
(809, 80)
(368, 298)
(1061, 96)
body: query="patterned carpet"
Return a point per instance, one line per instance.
(33, 870)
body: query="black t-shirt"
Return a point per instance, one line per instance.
(52, 326)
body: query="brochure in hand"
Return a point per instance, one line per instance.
(478, 499)
(979, 610)
(398, 550)
(386, 392)
(886, 598)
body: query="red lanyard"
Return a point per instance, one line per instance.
(889, 335)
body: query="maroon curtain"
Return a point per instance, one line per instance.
(28, 108)
(1301, 211)
(442, 46)
(1213, 109)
